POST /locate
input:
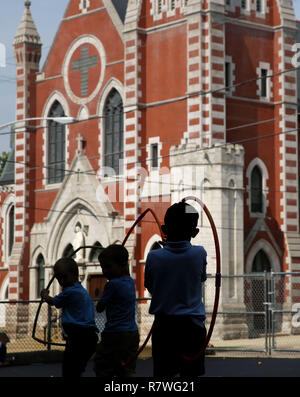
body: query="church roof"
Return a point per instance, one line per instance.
(27, 31)
(121, 7)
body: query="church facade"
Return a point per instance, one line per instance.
(169, 98)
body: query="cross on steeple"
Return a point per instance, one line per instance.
(83, 64)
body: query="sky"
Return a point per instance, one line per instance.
(47, 16)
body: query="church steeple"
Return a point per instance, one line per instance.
(27, 31)
(27, 50)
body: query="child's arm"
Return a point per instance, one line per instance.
(108, 292)
(147, 277)
(46, 297)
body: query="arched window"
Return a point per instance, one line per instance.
(6, 294)
(95, 251)
(56, 145)
(261, 262)
(256, 190)
(113, 125)
(260, 291)
(11, 229)
(68, 250)
(40, 262)
(155, 246)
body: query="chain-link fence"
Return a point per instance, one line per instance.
(258, 314)
(17, 321)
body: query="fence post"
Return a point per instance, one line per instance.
(272, 317)
(266, 304)
(49, 327)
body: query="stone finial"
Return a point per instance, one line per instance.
(27, 31)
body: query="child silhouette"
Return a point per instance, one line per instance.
(174, 276)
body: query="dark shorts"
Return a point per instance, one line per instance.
(172, 337)
(115, 350)
(80, 346)
(2, 353)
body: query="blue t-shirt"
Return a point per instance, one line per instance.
(174, 276)
(77, 306)
(119, 299)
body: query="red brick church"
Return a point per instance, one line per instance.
(169, 98)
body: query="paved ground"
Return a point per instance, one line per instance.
(215, 367)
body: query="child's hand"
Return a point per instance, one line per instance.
(44, 294)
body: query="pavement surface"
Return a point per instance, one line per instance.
(215, 367)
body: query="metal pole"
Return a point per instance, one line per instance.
(272, 292)
(49, 328)
(266, 311)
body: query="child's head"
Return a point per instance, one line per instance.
(114, 261)
(180, 222)
(4, 338)
(66, 272)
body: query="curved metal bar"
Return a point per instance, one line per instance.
(124, 241)
(218, 277)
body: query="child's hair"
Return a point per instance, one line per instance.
(114, 253)
(181, 215)
(67, 264)
(4, 338)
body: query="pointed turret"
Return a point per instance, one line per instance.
(27, 31)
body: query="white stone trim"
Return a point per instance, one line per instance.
(81, 6)
(4, 287)
(8, 203)
(269, 96)
(33, 271)
(265, 177)
(264, 9)
(115, 18)
(83, 113)
(251, 6)
(152, 240)
(246, 10)
(152, 141)
(228, 59)
(61, 220)
(264, 245)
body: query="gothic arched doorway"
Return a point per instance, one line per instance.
(260, 292)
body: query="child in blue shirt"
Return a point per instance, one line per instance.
(174, 276)
(4, 339)
(78, 318)
(115, 355)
